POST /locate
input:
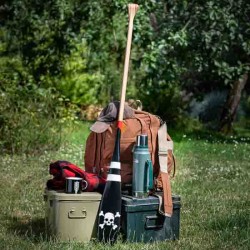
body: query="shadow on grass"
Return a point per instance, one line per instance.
(31, 230)
(237, 221)
(210, 136)
(232, 228)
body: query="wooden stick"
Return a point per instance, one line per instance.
(132, 9)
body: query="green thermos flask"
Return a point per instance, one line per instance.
(142, 168)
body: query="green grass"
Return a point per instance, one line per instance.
(212, 180)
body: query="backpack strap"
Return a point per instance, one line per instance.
(143, 125)
(164, 146)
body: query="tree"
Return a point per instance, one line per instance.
(197, 46)
(180, 49)
(230, 109)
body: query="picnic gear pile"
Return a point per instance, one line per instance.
(125, 187)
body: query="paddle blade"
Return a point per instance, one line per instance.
(110, 207)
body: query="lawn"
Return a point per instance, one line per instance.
(212, 179)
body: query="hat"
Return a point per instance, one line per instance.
(108, 115)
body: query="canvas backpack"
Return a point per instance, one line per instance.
(100, 146)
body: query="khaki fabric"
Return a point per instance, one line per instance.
(165, 148)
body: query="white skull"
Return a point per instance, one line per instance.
(109, 219)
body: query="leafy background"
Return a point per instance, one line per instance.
(189, 64)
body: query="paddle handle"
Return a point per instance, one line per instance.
(132, 9)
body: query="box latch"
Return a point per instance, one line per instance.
(154, 222)
(77, 214)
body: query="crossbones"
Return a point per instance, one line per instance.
(109, 219)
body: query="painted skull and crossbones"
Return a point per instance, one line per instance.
(109, 219)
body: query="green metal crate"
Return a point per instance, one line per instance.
(141, 221)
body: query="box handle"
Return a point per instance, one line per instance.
(72, 214)
(153, 218)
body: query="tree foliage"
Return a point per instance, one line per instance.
(74, 51)
(197, 47)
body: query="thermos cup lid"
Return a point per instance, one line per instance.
(142, 141)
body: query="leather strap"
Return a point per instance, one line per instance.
(164, 146)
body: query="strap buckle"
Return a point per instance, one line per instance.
(162, 152)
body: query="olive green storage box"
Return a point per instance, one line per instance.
(72, 216)
(142, 222)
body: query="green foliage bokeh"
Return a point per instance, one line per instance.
(58, 56)
(29, 114)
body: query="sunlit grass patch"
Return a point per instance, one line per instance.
(212, 178)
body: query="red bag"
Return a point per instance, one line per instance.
(63, 169)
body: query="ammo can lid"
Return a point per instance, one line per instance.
(60, 195)
(133, 204)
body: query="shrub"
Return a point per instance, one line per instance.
(28, 113)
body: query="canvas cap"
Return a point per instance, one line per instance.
(110, 114)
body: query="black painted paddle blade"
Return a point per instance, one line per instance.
(110, 207)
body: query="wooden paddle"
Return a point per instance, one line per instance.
(110, 206)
